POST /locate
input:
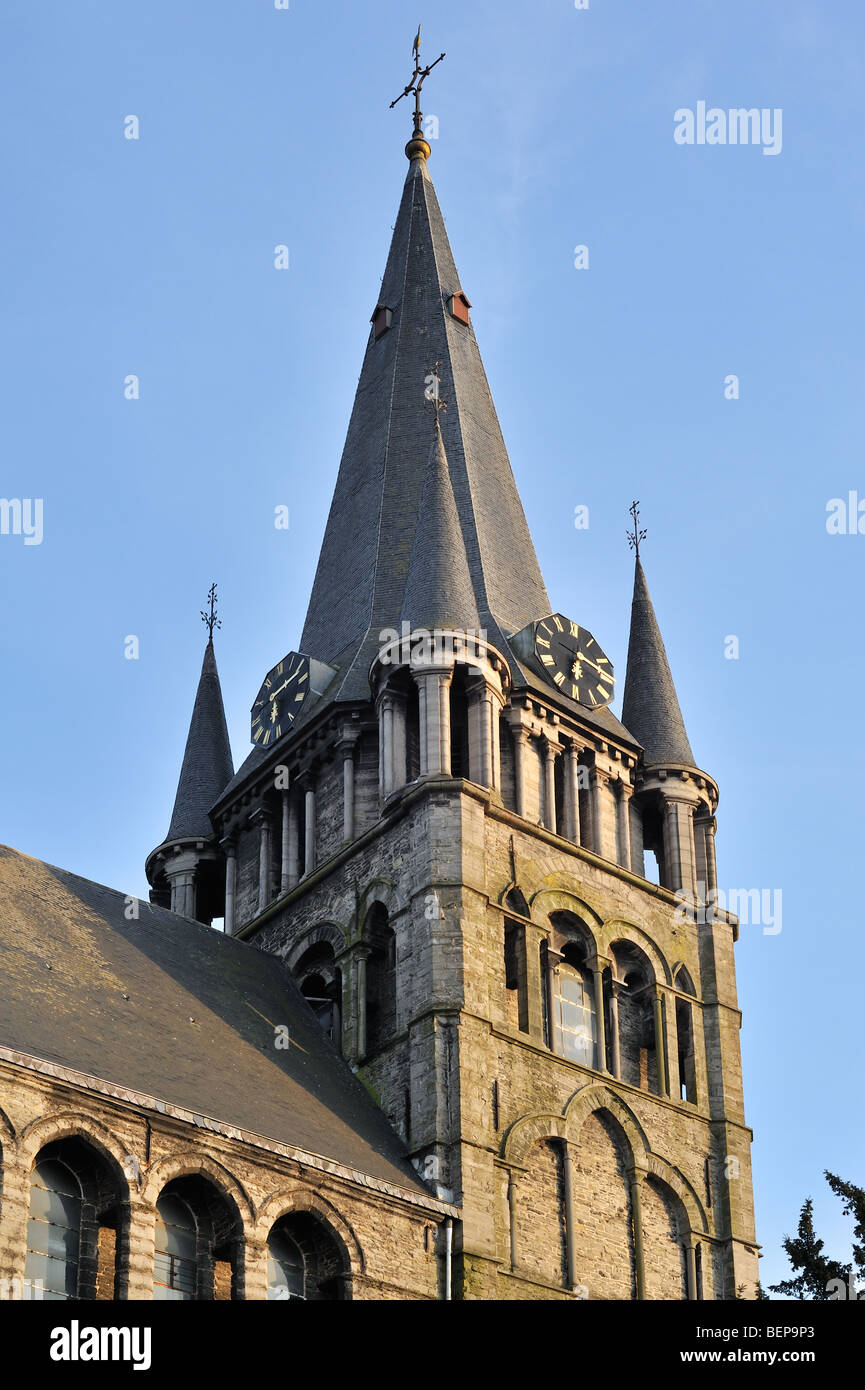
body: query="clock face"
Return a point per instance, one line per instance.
(573, 661)
(280, 699)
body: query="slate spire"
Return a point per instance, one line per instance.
(207, 766)
(650, 707)
(438, 587)
(371, 540)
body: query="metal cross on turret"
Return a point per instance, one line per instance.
(637, 535)
(417, 81)
(210, 619)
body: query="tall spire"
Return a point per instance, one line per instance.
(650, 707)
(438, 588)
(360, 584)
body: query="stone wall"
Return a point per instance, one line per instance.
(386, 1246)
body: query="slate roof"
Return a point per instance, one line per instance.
(207, 766)
(438, 586)
(224, 1064)
(650, 707)
(360, 583)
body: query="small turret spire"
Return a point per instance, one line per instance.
(186, 871)
(650, 707)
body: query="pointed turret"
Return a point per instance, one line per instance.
(421, 331)
(187, 871)
(650, 707)
(677, 801)
(207, 767)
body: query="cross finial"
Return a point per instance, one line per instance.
(417, 145)
(432, 390)
(210, 619)
(637, 535)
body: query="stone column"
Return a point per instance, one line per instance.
(615, 1041)
(635, 1178)
(679, 856)
(14, 1213)
(597, 966)
(691, 1266)
(252, 1274)
(284, 840)
(536, 985)
(228, 845)
(385, 737)
(512, 1215)
(292, 865)
(550, 748)
(139, 1274)
(660, 1042)
(521, 741)
(399, 699)
(262, 819)
(437, 720)
(360, 960)
(623, 828)
(570, 1221)
(346, 746)
(704, 843)
(572, 793)
(309, 837)
(421, 727)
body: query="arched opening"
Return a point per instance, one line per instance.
(635, 1008)
(516, 980)
(76, 1216)
(685, 1039)
(459, 710)
(665, 1235)
(320, 983)
(570, 983)
(305, 1260)
(380, 979)
(196, 1245)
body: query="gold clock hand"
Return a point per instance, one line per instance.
(608, 675)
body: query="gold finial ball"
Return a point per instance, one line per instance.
(417, 148)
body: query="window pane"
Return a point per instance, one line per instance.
(285, 1267)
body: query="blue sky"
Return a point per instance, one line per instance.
(154, 257)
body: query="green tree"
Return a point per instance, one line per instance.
(814, 1271)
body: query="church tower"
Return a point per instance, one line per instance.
(442, 830)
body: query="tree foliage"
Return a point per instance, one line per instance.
(815, 1272)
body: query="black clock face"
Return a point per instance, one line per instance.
(280, 699)
(573, 661)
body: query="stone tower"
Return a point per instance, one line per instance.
(441, 829)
